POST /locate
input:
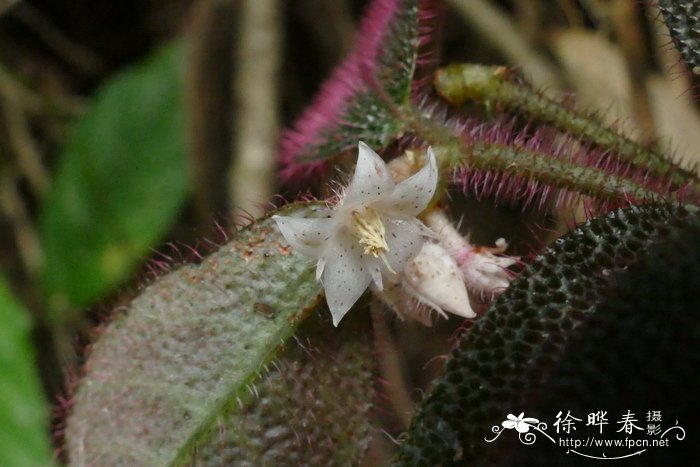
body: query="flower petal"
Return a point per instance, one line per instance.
(345, 275)
(509, 424)
(405, 239)
(411, 196)
(376, 271)
(320, 266)
(436, 280)
(483, 271)
(306, 235)
(371, 179)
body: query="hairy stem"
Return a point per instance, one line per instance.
(456, 152)
(498, 86)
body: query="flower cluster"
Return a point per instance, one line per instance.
(370, 234)
(483, 271)
(438, 277)
(372, 238)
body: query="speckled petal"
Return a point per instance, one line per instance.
(371, 180)
(308, 236)
(345, 275)
(437, 281)
(411, 196)
(375, 270)
(320, 266)
(405, 239)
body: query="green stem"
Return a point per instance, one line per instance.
(454, 152)
(494, 86)
(554, 172)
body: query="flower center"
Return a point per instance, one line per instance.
(370, 231)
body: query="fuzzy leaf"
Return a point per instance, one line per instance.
(172, 378)
(357, 102)
(120, 182)
(24, 437)
(293, 415)
(595, 323)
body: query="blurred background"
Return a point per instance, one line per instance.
(135, 134)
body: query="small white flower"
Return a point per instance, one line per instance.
(430, 281)
(435, 280)
(370, 234)
(483, 270)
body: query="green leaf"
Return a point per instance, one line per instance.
(120, 182)
(311, 403)
(188, 373)
(605, 319)
(24, 437)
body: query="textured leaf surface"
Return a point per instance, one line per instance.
(310, 406)
(683, 21)
(639, 352)
(189, 357)
(601, 313)
(24, 437)
(120, 182)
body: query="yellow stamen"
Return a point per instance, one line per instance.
(370, 230)
(371, 234)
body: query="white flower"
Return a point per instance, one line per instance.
(438, 277)
(430, 281)
(435, 280)
(483, 270)
(370, 234)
